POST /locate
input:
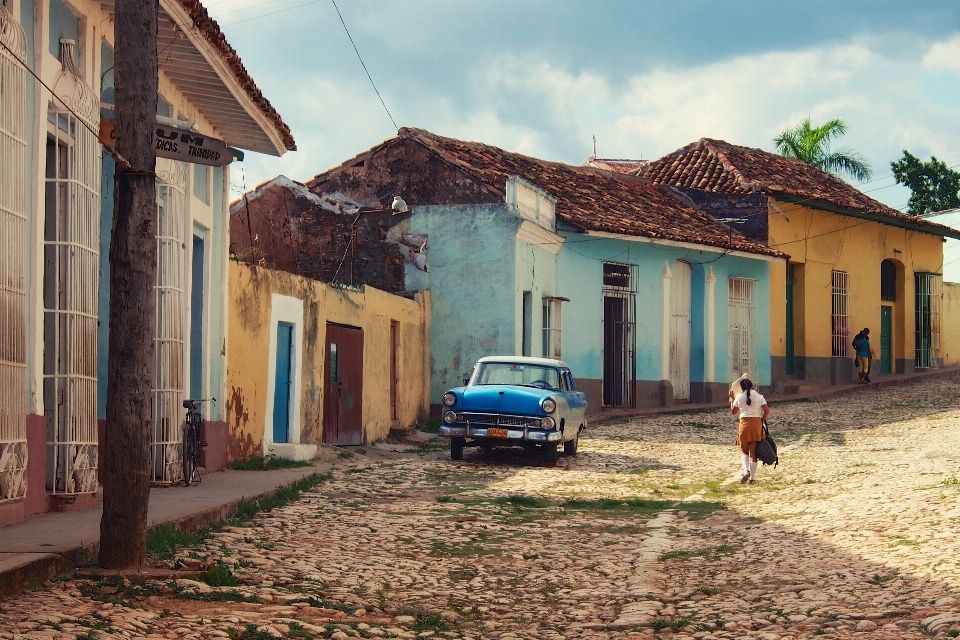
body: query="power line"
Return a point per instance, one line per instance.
(364, 66)
(230, 24)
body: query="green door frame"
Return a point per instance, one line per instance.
(789, 335)
(886, 339)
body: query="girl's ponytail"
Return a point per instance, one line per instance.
(746, 385)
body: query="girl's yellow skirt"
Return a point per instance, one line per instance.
(751, 430)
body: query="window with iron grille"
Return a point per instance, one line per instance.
(619, 334)
(13, 236)
(927, 339)
(742, 320)
(551, 327)
(617, 276)
(839, 313)
(170, 288)
(71, 265)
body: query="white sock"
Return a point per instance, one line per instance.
(746, 463)
(753, 469)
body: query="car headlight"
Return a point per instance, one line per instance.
(549, 405)
(449, 399)
(547, 423)
(449, 417)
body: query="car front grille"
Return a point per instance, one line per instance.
(499, 420)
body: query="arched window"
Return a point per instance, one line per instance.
(13, 271)
(888, 281)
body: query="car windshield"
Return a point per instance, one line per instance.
(528, 375)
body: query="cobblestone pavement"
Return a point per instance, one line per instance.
(646, 533)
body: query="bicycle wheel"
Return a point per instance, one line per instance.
(190, 452)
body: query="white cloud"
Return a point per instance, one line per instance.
(528, 104)
(944, 56)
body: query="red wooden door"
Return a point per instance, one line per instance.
(343, 403)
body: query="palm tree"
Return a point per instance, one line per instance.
(812, 145)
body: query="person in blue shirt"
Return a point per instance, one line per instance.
(864, 353)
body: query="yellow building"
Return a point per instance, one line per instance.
(854, 262)
(310, 363)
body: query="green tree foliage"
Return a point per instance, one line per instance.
(812, 145)
(934, 185)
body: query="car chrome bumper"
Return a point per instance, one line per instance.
(524, 434)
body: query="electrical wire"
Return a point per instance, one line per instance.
(364, 66)
(230, 24)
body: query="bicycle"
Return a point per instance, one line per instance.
(191, 441)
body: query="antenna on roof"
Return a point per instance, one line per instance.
(594, 146)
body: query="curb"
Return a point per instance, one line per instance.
(25, 571)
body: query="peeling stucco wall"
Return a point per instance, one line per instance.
(372, 310)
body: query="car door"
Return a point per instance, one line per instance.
(577, 402)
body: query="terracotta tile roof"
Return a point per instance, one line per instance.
(716, 166)
(591, 199)
(211, 31)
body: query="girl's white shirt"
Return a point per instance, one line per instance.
(752, 410)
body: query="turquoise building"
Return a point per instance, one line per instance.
(648, 301)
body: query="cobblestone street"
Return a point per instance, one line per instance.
(646, 533)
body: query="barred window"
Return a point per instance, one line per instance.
(839, 313)
(927, 323)
(742, 327)
(13, 271)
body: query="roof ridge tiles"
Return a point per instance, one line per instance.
(589, 198)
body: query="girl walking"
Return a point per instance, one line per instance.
(753, 410)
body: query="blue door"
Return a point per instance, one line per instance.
(281, 396)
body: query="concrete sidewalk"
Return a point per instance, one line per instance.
(45, 545)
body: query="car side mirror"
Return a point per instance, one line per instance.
(466, 381)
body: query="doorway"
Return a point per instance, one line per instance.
(680, 322)
(281, 395)
(343, 397)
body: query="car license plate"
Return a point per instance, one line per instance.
(495, 432)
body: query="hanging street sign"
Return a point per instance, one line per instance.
(178, 144)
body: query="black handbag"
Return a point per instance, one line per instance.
(767, 449)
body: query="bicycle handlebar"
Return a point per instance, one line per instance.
(195, 404)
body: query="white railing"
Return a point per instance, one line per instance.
(71, 265)
(13, 234)
(839, 313)
(170, 336)
(742, 325)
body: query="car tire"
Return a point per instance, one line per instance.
(570, 446)
(456, 448)
(550, 452)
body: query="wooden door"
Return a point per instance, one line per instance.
(680, 320)
(886, 337)
(343, 401)
(283, 380)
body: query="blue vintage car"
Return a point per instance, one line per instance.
(515, 401)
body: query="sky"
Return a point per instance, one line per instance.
(543, 78)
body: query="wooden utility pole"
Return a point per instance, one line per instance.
(133, 264)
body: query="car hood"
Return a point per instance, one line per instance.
(497, 398)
